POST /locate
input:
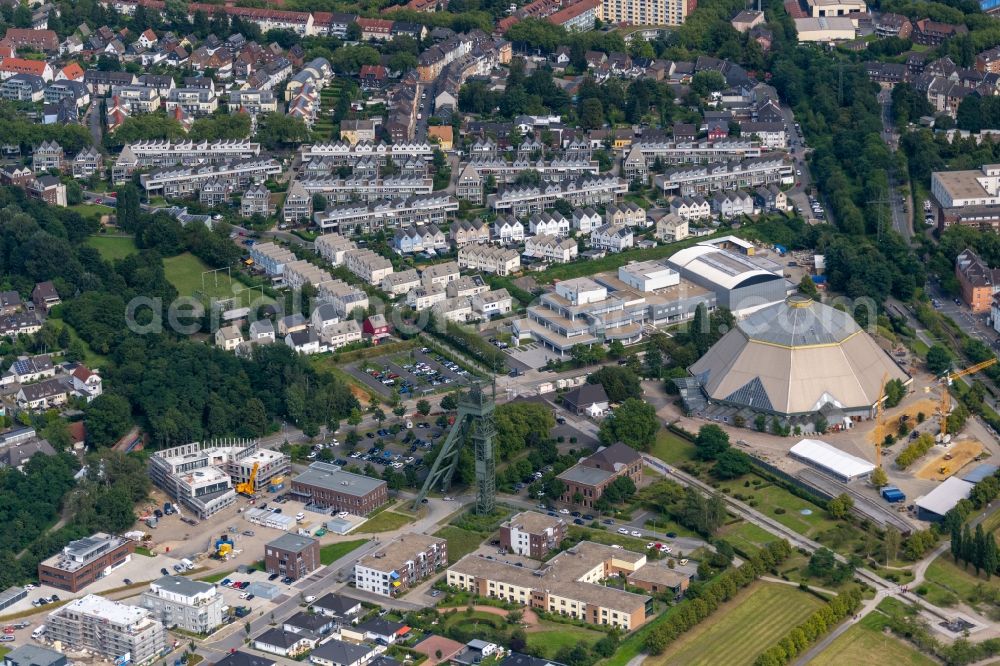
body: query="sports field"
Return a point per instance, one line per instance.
(741, 629)
(193, 277)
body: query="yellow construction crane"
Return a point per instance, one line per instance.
(249, 488)
(951, 377)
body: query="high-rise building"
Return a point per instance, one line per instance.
(648, 12)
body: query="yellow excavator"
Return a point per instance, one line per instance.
(249, 487)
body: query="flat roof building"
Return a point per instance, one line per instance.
(394, 568)
(935, 504)
(108, 629)
(329, 486)
(532, 534)
(292, 555)
(741, 282)
(831, 460)
(84, 561)
(188, 604)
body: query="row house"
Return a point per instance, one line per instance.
(333, 247)
(345, 298)
(19, 323)
(493, 303)
(368, 265)
(433, 60)
(470, 185)
(627, 213)
(12, 66)
(424, 297)
(467, 285)
(315, 73)
(988, 62)
(890, 73)
(256, 201)
(48, 189)
(586, 191)
(341, 334)
(696, 152)
(732, 204)
(612, 238)
(344, 153)
(551, 249)
(185, 181)
(425, 238)
(300, 273)
(339, 190)
(458, 309)
(554, 170)
(375, 29)
(88, 162)
(464, 232)
(508, 229)
(23, 88)
(48, 155)
(101, 82)
(356, 131)
(586, 220)
(726, 176)
(298, 204)
(691, 208)
(358, 218)
(32, 40)
(548, 224)
(271, 258)
(439, 275)
(672, 228)
(398, 284)
(333, 24)
(305, 104)
(771, 199)
(489, 259)
(932, 33)
(195, 101)
(215, 192)
(162, 153)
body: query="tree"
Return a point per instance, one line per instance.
(555, 488)
(634, 423)
(708, 81)
(821, 563)
(840, 506)
(127, 210)
(891, 543)
(616, 349)
(938, 359)
(591, 113)
(108, 417)
(808, 288)
(448, 403)
(423, 407)
(879, 478)
(895, 391)
(731, 464)
(619, 383)
(711, 441)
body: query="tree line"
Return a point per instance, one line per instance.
(812, 629)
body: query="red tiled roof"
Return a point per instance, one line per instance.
(45, 39)
(23, 66)
(375, 25)
(73, 71)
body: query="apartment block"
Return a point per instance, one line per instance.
(298, 203)
(352, 219)
(569, 584)
(194, 101)
(748, 174)
(646, 13)
(188, 604)
(108, 629)
(978, 282)
(532, 534)
(271, 258)
(84, 561)
(367, 265)
(696, 152)
(185, 181)
(345, 154)
(394, 568)
(165, 153)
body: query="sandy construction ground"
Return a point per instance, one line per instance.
(961, 453)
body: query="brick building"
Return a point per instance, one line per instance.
(83, 561)
(978, 281)
(532, 534)
(328, 486)
(587, 480)
(292, 555)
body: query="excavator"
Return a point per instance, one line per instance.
(249, 487)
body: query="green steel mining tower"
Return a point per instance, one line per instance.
(474, 422)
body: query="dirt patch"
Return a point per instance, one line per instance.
(362, 395)
(926, 405)
(959, 455)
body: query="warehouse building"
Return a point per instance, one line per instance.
(935, 504)
(831, 460)
(330, 487)
(799, 360)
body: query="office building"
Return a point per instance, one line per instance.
(292, 555)
(84, 561)
(328, 486)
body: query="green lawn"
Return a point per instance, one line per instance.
(864, 644)
(741, 629)
(746, 536)
(945, 579)
(216, 577)
(385, 521)
(609, 538)
(671, 448)
(332, 552)
(461, 542)
(92, 210)
(766, 498)
(91, 359)
(113, 247)
(554, 636)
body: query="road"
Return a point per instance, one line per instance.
(797, 195)
(93, 119)
(899, 206)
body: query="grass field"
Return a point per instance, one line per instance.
(945, 579)
(746, 536)
(609, 538)
(91, 359)
(742, 628)
(460, 542)
(332, 552)
(671, 448)
(554, 636)
(113, 247)
(92, 210)
(867, 644)
(769, 497)
(189, 275)
(386, 521)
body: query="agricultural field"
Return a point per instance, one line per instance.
(736, 633)
(113, 247)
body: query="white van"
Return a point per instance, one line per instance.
(299, 517)
(38, 632)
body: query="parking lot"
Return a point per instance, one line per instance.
(420, 372)
(404, 447)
